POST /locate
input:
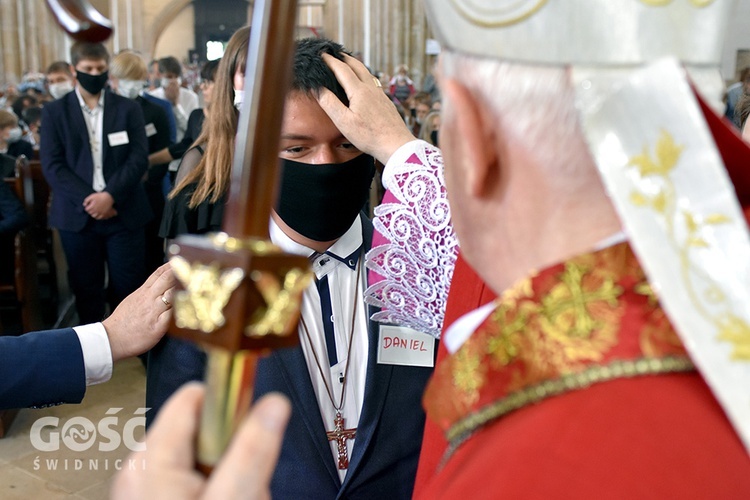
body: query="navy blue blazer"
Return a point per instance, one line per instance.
(41, 369)
(65, 153)
(167, 107)
(389, 434)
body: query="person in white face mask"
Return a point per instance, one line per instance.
(195, 122)
(183, 100)
(128, 77)
(60, 79)
(11, 142)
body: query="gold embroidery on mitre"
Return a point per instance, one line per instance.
(661, 3)
(702, 290)
(500, 13)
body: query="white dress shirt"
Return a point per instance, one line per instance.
(94, 119)
(344, 296)
(187, 101)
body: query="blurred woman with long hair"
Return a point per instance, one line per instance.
(196, 206)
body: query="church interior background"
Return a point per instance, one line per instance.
(386, 33)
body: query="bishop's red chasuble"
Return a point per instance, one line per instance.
(577, 386)
(467, 292)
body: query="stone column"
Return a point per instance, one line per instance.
(419, 37)
(10, 42)
(33, 32)
(333, 13)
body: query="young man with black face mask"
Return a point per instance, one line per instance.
(356, 425)
(94, 153)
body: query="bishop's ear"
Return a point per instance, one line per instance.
(473, 137)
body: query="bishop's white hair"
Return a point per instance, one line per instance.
(534, 103)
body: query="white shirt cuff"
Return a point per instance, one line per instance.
(97, 354)
(400, 157)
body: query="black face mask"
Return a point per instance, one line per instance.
(93, 84)
(320, 202)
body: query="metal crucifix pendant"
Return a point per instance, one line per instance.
(341, 436)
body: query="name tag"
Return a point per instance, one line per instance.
(150, 130)
(398, 345)
(118, 138)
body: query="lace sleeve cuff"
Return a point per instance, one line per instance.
(414, 247)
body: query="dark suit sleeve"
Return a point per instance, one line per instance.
(195, 122)
(128, 175)
(52, 151)
(171, 122)
(13, 217)
(41, 369)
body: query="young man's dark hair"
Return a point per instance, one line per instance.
(208, 71)
(85, 50)
(170, 65)
(310, 71)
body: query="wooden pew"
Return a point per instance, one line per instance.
(21, 284)
(42, 234)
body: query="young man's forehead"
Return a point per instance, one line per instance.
(92, 63)
(304, 118)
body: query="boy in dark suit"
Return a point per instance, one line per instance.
(94, 153)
